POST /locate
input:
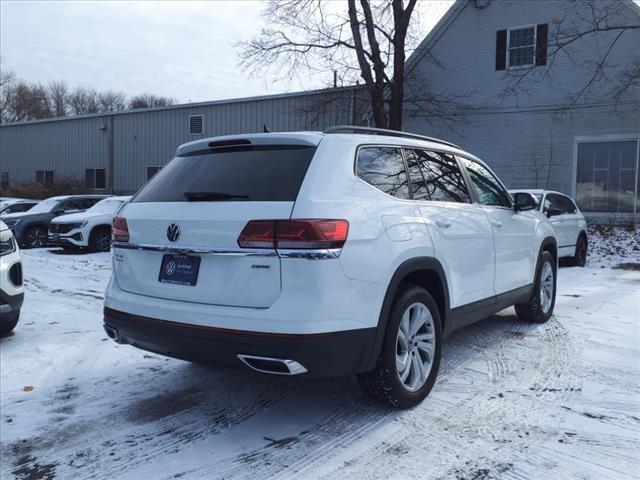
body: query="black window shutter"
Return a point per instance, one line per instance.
(542, 31)
(501, 49)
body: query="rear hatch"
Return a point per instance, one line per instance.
(195, 209)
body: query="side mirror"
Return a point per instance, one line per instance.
(58, 211)
(524, 201)
(551, 212)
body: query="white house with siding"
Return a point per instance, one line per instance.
(542, 117)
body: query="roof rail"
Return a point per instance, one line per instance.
(384, 131)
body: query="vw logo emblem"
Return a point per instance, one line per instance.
(170, 269)
(173, 232)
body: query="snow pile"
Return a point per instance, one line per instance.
(610, 246)
(513, 400)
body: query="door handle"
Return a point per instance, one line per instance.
(496, 223)
(443, 223)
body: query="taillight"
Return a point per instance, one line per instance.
(119, 230)
(294, 234)
(258, 234)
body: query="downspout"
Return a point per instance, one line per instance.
(110, 153)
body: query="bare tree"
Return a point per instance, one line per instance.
(84, 101)
(356, 39)
(148, 100)
(23, 101)
(596, 29)
(58, 97)
(112, 100)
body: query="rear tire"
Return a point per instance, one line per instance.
(8, 323)
(579, 258)
(410, 357)
(100, 239)
(539, 308)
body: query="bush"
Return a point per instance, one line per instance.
(36, 191)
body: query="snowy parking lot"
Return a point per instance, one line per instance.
(513, 400)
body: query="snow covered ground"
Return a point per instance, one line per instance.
(513, 401)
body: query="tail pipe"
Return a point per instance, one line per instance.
(113, 334)
(273, 366)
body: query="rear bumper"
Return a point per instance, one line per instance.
(321, 354)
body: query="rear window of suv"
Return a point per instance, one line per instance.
(260, 174)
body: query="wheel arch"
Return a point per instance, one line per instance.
(549, 244)
(426, 272)
(98, 227)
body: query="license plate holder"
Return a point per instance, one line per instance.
(179, 269)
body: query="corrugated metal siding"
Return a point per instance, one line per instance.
(149, 138)
(66, 147)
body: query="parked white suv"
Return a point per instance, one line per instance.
(567, 221)
(89, 229)
(325, 254)
(11, 285)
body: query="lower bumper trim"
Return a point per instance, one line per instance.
(320, 355)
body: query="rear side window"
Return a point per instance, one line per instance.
(559, 202)
(383, 168)
(260, 174)
(435, 176)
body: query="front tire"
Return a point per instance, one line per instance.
(100, 239)
(9, 323)
(35, 237)
(539, 307)
(410, 357)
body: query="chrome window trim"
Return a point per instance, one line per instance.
(318, 254)
(197, 250)
(315, 254)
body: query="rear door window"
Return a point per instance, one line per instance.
(559, 202)
(254, 173)
(384, 169)
(435, 176)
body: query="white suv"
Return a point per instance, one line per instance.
(89, 229)
(11, 284)
(567, 221)
(349, 251)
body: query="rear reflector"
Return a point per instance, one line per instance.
(294, 234)
(119, 230)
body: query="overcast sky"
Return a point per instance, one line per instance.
(182, 50)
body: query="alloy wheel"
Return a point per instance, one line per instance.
(546, 287)
(37, 237)
(415, 346)
(103, 241)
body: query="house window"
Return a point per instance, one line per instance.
(607, 176)
(524, 46)
(4, 179)
(521, 43)
(152, 170)
(95, 178)
(45, 178)
(196, 124)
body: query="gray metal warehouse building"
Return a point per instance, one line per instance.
(117, 152)
(541, 121)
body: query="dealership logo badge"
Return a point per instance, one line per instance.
(173, 232)
(170, 269)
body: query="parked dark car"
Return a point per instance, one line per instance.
(30, 228)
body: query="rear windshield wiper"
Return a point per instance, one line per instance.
(211, 196)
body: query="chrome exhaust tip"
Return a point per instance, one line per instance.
(113, 334)
(273, 366)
